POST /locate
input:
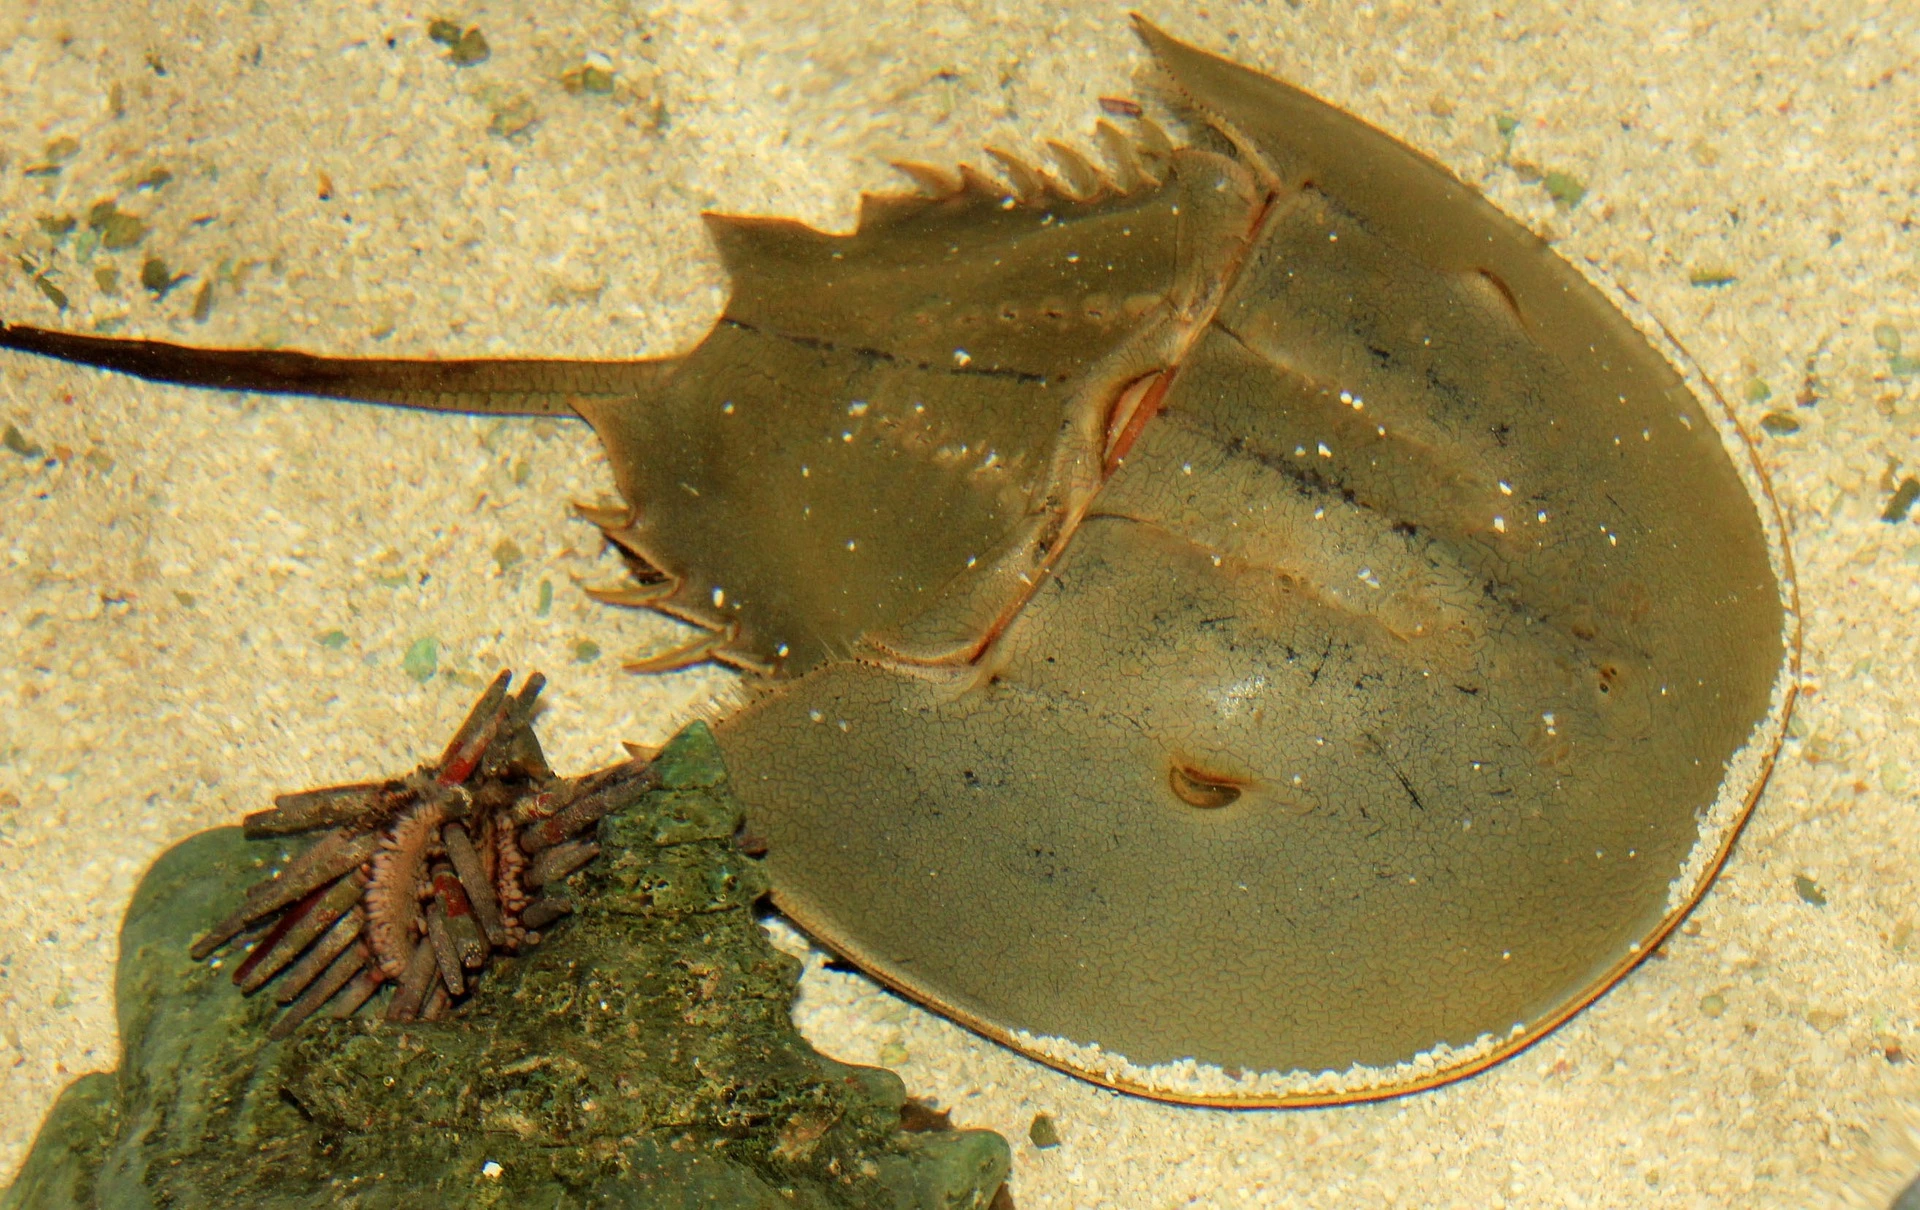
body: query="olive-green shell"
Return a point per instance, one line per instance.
(1255, 614)
(1430, 565)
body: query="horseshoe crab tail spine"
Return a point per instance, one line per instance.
(490, 386)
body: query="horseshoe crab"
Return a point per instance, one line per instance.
(1247, 626)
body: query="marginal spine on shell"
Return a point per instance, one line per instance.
(420, 881)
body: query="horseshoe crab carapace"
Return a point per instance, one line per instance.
(1247, 625)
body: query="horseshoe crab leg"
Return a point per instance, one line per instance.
(633, 596)
(686, 655)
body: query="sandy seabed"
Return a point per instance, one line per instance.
(172, 558)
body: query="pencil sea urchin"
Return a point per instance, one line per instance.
(417, 881)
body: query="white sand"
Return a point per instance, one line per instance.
(167, 575)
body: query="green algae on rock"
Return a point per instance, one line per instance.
(642, 1056)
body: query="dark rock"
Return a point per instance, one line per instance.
(643, 1055)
